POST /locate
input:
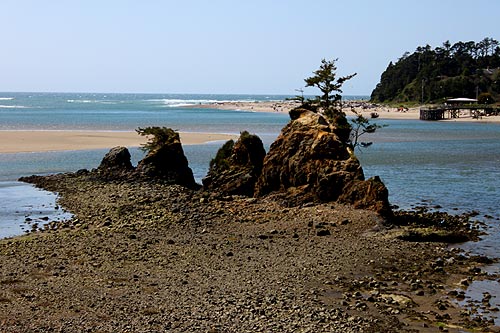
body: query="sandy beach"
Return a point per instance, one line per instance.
(41, 141)
(365, 108)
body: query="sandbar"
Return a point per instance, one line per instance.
(43, 141)
(363, 107)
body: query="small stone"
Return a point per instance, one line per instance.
(323, 232)
(441, 306)
(464, 282)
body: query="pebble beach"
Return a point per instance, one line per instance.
(152, 258)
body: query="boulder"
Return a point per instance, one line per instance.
(237, 166)
(368, 194)
(167, 163)
(311, 163)
(116, 164)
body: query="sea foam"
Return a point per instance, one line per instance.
(188, 102)
(12, 107)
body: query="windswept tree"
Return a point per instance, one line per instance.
(329, 103)
(360, 125)
(157, 137)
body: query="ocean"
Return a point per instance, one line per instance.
(452, 165)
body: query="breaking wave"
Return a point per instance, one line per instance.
(12, 107)
(189, 102)
(90, 101)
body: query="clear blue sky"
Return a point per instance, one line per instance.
(220, 46)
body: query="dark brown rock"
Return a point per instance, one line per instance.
(116, 164)
(310, 162)
(237, 166)
(369, 194)
(167, 163)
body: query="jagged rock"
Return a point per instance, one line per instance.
(237, 166)
(166, 162)
(116, 164)
(368, 194)
(309, 162)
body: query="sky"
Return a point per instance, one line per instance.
(221, 46)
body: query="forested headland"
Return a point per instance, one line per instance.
(464, 69)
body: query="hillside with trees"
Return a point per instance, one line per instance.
(464, 69)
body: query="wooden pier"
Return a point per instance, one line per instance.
(452, 111)
(431, 114)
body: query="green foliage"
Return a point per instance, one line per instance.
(485, 98)
(432, 75)
(245, 137)
(158, 137)
(361, 125)
(220, 161)
(329, 103)
(325, 79)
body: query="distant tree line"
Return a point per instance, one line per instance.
(464, 69)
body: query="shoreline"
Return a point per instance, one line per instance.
(25, 141)
(363, 107)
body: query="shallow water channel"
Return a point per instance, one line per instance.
(25, 208)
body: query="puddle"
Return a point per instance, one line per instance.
(25, 208)
(482, 297)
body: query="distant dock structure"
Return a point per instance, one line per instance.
(453, 108)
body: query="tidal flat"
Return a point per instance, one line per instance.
(146, 257)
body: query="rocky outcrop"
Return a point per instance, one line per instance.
(116, 164)
(167, 163)
(237, 166)
(368, 194)
(309, 162)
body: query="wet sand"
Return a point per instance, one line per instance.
(42, 141)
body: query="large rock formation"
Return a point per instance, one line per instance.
(166, 162)
(235, 169)
(116, 164)
(309, 162)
